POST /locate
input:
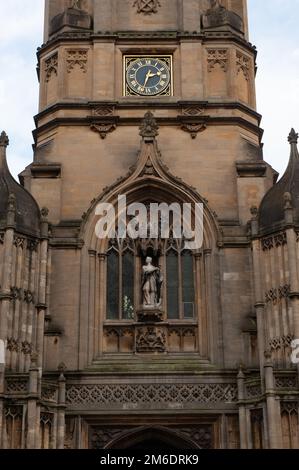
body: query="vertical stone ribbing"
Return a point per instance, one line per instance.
(61, 410)
(273, 408)
(242, 410)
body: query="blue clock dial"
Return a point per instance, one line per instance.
(148, 76)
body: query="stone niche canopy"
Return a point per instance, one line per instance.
(218, 16)
(73, 17)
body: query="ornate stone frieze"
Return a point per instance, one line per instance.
(51, 67)
(274, 241)
(289, 407)
(19, 242)
(103, 395)
(99, 438)
(46, 418)
(253, 390)
(79, 58)
(13, 345)
(28, 297)
(192, 110)
(26, 348)
(16, 293)
(281, 342)
(147, 7)
(202, 435)
(49, 393)
(286, 382)
(16, 386)
(217, 57)
(103, 110)
(14, 411)
(280, 239)
(274, 295)
(32, 245)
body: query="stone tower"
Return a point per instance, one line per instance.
(154, 100)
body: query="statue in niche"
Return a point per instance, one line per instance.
(152, 281)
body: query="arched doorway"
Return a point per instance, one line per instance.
(152, 438)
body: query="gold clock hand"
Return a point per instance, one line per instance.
(147, 78)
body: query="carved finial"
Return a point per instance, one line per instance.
(287, 201)
(4, 140)
(34, 359)
(62, 367)
(241, 374)
(44, 212)
(11, 204)
(149, 126)
(268, 355)
(254, 212)
(293, 137)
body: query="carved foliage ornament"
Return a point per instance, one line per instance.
(243, 65)
(217, 57)
(79, 58)
(147, 7)
(51, 67)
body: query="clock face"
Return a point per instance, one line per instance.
(148, 76)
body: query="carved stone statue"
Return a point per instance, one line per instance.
(152, 281)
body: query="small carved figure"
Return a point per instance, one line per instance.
(152, 281)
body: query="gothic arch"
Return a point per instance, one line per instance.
(157, 190)
(148, 179)
(159, 438)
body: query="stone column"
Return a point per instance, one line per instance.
(61, 408)
(32, 403)
(258, 291)
(292, 258)
(2, 369)
(42, 292)
(102, 296)
(273, 406)
(242, 410)
(5, 294)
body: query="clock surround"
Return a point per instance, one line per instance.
(148, 75)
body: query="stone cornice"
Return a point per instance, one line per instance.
(168, 103)
(135, 121)
(139, 37)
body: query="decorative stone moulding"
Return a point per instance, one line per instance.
(147, 7)
(150, 315)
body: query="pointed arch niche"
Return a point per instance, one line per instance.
(111, 290)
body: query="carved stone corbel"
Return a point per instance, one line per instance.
(194, 128)
(103, 129)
